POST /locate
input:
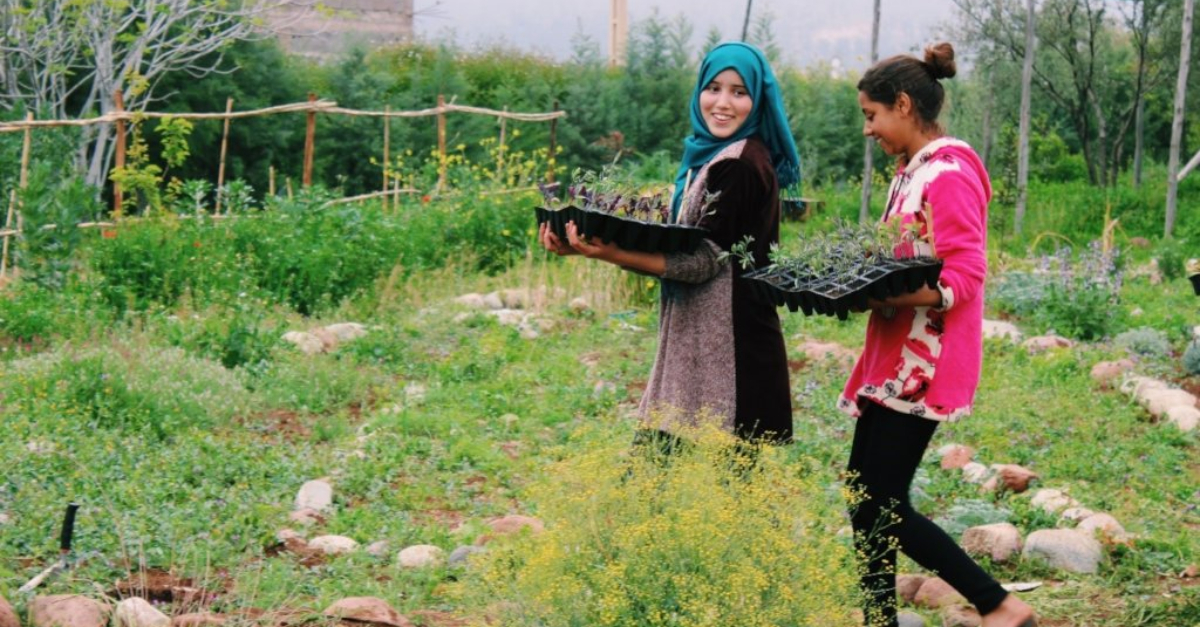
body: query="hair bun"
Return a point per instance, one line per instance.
(939, 58)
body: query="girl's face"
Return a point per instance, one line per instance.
(725, 104)
(892, 127)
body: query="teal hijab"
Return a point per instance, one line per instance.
(767, 119)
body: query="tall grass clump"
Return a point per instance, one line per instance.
(712, 535)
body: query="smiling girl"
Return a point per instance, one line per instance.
(923, 353)
(721, 355)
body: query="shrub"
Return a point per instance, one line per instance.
(1171, 255)
(967, 513)
(702, 538)
(1191, 358)
(1082, 294)
(157, 392)
(1019, 293)
(1144, 341)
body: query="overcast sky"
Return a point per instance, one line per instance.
(808, 31)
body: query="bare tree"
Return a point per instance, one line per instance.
(61, 54)
(1185, 62)
(1023, 141)
(868, 150)
(1070, 72)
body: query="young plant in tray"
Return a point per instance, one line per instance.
(611, 207)
(834, 272)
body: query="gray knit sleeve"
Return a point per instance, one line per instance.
(695, 267)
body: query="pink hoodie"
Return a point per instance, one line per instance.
(925, 361)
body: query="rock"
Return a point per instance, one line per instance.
(908, 585)
(67, 610)
(199, 619)
(1103, 523)
(307, 516)
(509, 420)
(316, 494)
(957, 456)
(367, 610)
(329, 341)
(1046, 342)
(1052, 501)
(1196, 332)
(579, 306)
(958, 616)
(999, 329)
(975, 472)
(8, 616)
(378, 549)
(508, 317)
(909, 619)
(1139, 242)
(1066, 549)
(283, 535)
(1076, 513)
(346, 331)
(815, 351)
(529, 333)
(1186, 418)
(1106, 372)
(421, 556)
(493, 301)
(471, 301)
(1000, 541)
(4, 518)
(1013, 477)
(935, 593)
(308, 343)
(137, 612)
(1158, 402)
(514, 523)
(1138, 386)
(460, 555)
(332, 545)
(517, 298)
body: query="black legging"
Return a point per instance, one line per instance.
(888, 446)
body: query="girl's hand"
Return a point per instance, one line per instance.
(592, 249)
(552, 243)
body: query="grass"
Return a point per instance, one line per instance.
(441, 418)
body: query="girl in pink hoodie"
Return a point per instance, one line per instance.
(921, 361)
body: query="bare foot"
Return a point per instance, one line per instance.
(1013, 612)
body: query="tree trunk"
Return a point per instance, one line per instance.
(1139, 124)
(1023, 142)
(985, 141)
(1185, 61)
(864, 210)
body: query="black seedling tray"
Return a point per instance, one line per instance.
(628, 233)
(837, 296)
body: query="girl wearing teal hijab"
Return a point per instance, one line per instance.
(766, 119)
(721, 357)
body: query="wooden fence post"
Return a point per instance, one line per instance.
(553, 145)
(12, 205)
(271, 181)
(224, 146)
(387, 129)
(441, 132)
(500, 149)
(118, 196)
(310, 132)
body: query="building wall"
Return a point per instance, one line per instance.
(338, 25)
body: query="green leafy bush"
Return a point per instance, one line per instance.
(1191, 358)
(1019, 293)
(1080, 299)
(1144, 341)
